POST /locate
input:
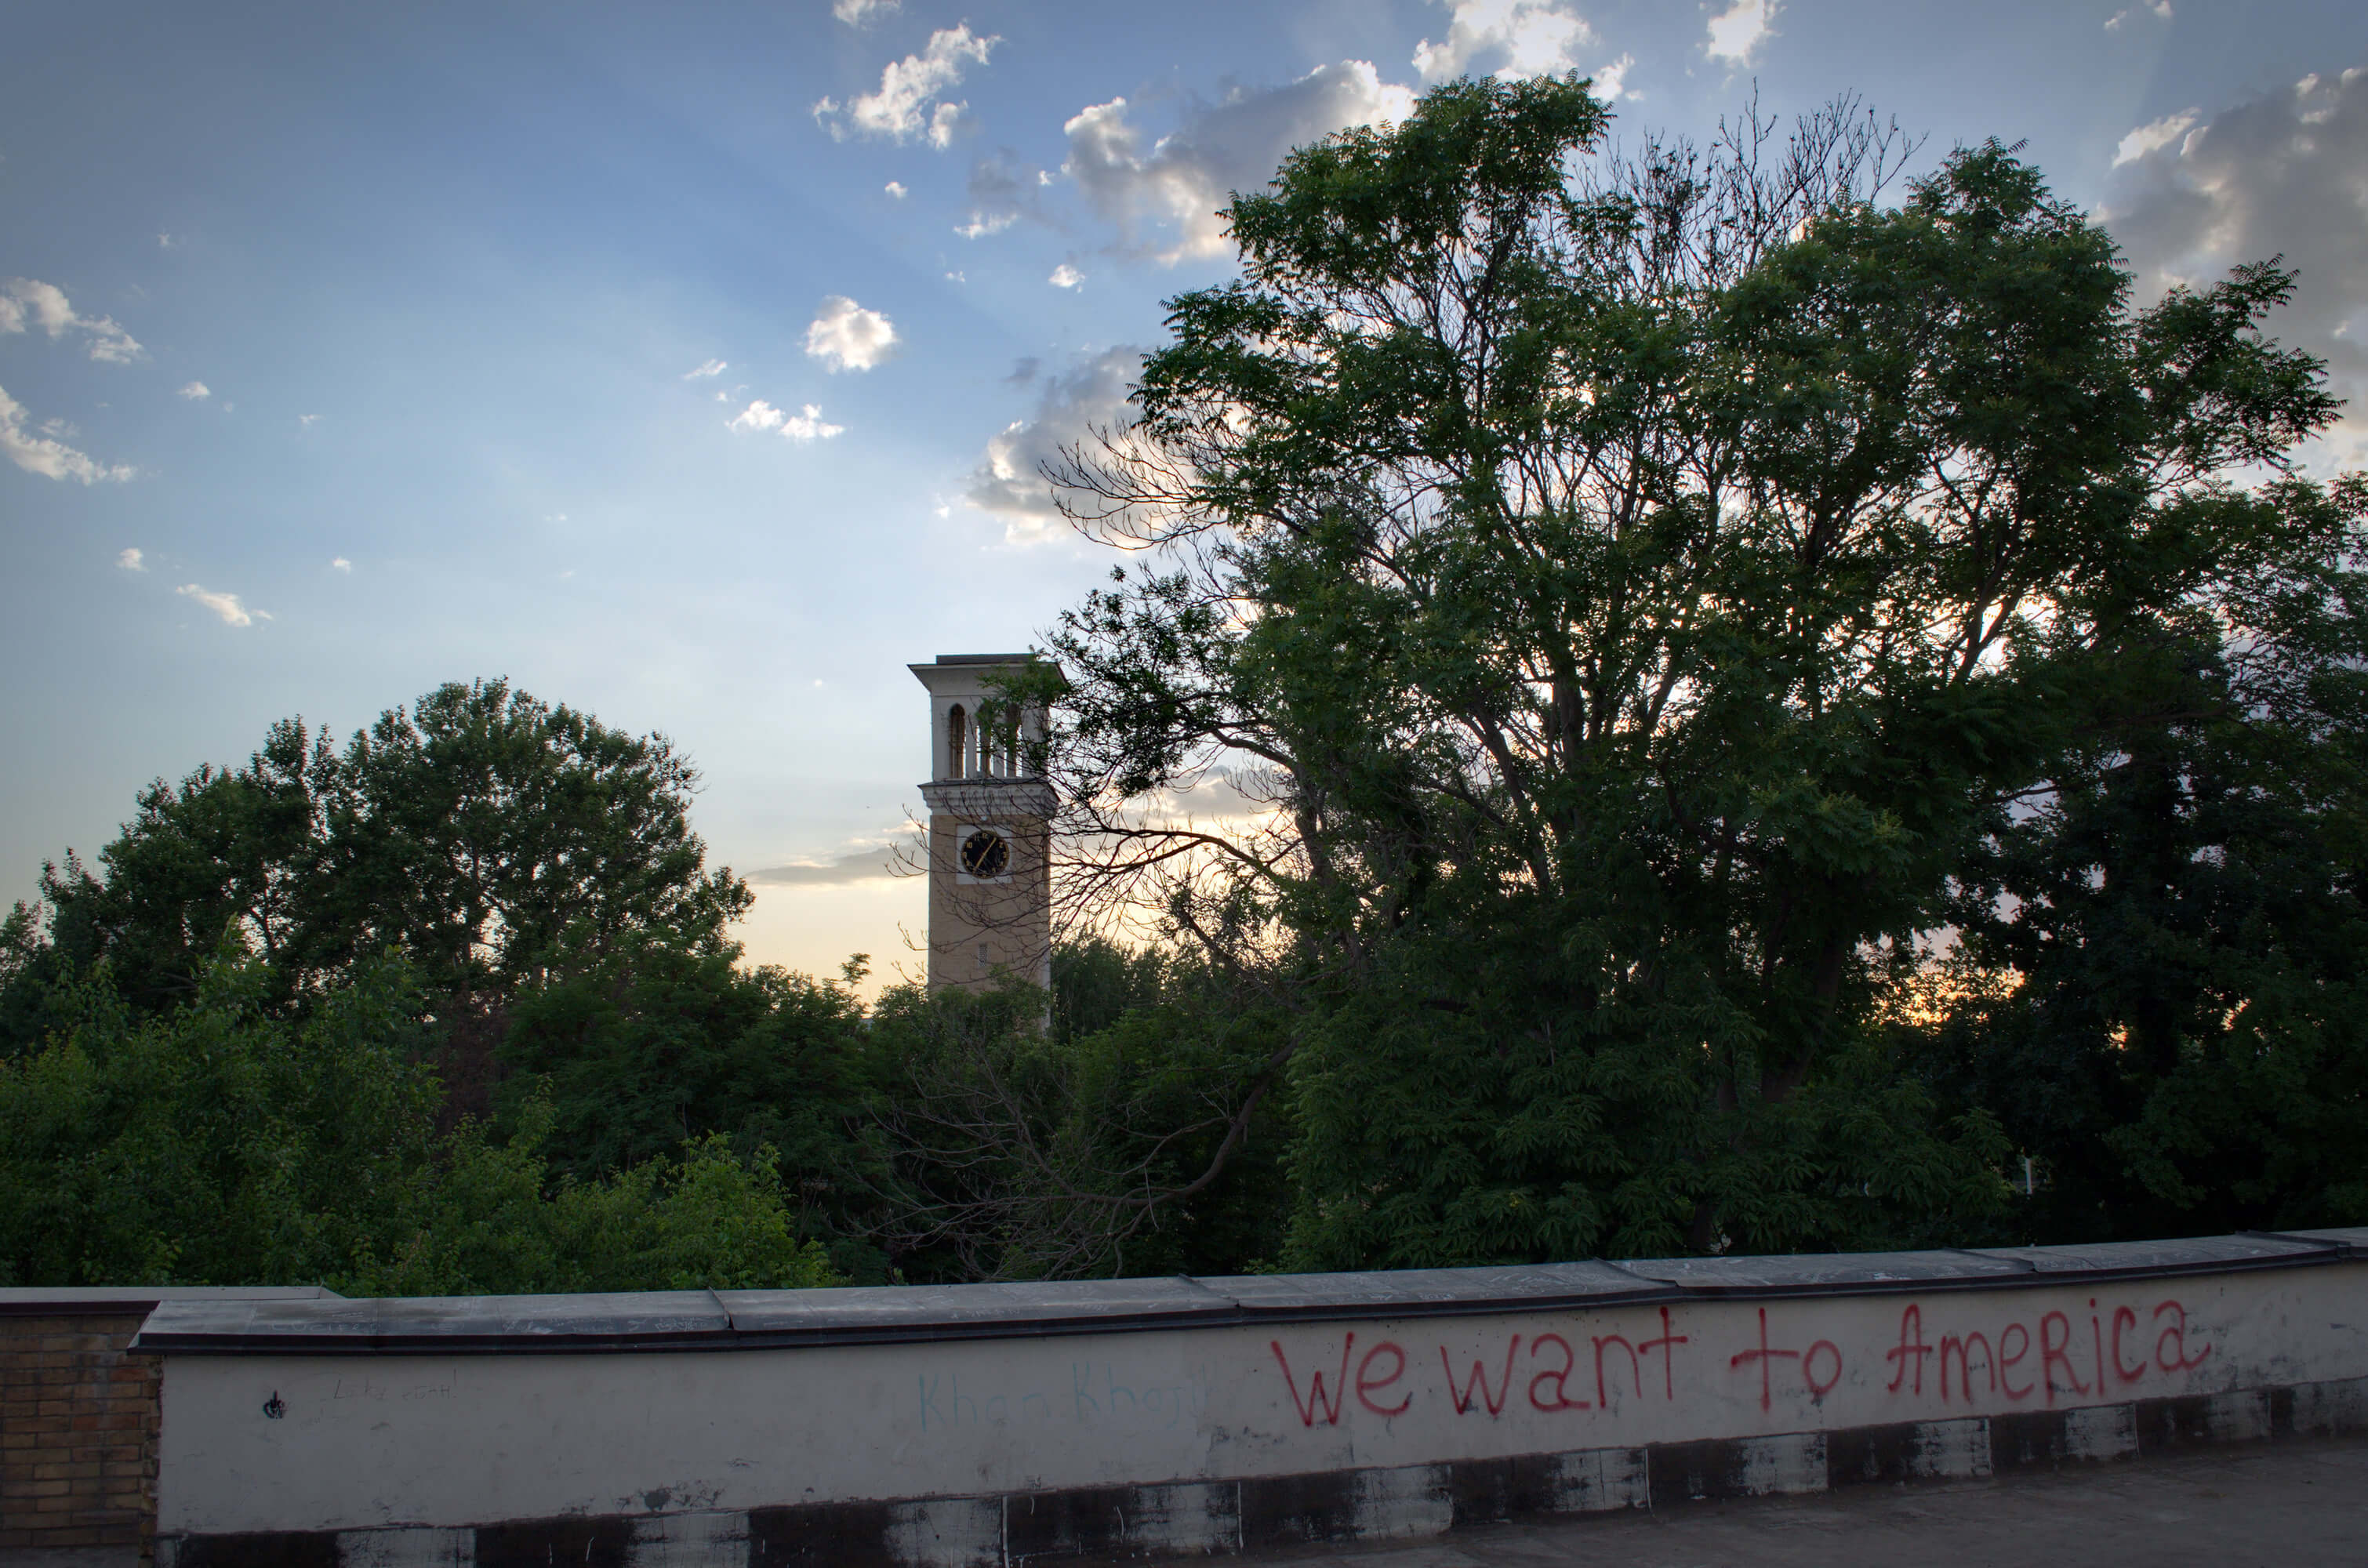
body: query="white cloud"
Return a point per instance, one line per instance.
(45, 304)
(1182, 179)
(197, 389)
(226, 605)
(2286, 173)
(342, 565)
(308, 420)
(1611, 81)
(168, 241)
(1736, 32)
(896, 188)
(855, 13)
(846, 336)
(2161, 8)
(1065, 277)
(957, 277)
(701, 372)
(804, 426)
(45, 454)
(131, 559)
(2153, 136)
(809, 427)
(1506, 38)
(1008, 482)
(908, 102)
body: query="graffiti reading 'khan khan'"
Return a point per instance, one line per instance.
(1965, 1363)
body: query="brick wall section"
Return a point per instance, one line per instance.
(78, 1421)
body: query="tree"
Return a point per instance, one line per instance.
(1624, 598)
(1113, 1143)
(531, 875)
(476, 834)
(478, 830)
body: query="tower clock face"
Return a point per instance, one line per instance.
(985, 853)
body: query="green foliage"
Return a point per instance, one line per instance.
(213, 1144)
(649, 1040)
(2181, 1045)
(217, 1144)
(653, 1040)
(496, 1222)
(221, 1078)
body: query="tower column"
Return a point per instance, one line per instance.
(990, 828)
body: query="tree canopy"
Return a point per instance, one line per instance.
(1643, 608)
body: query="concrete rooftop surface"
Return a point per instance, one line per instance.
(2282, 1507)
(2293, 1506)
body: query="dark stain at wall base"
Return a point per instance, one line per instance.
(603, 1542)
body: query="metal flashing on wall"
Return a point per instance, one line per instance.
(748, 1320)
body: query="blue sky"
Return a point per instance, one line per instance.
(690, 364)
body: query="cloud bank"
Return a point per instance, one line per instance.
(1176, 183)
(870, 863)
(1009, 481)
(2285, 175)
(1508, 38)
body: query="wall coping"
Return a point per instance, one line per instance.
(317, 1323)
(62, 1300)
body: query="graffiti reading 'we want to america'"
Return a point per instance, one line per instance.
(2039, 1355)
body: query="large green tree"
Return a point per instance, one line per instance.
(1622, 597)
(471, 832)
(483, 836)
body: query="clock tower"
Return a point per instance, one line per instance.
(990, 827)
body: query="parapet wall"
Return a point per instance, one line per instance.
(988, 1423)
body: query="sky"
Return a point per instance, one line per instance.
(691, 365)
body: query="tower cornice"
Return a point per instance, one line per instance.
(983, 799)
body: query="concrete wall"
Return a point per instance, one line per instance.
(963, 1425)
